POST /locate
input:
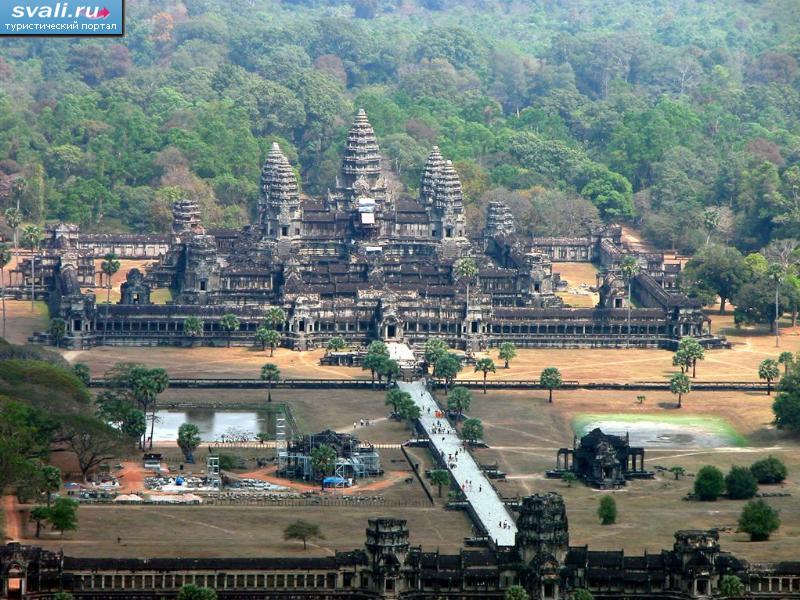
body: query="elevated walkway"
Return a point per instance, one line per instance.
(485, 506)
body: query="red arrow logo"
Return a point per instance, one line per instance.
(103, 14)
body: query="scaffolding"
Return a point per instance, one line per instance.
(212, 471)
(280, 441)
(354, 459)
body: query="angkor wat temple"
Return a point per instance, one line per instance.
(363, 262)
(388, 566)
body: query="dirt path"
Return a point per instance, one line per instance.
(390, 478)
(13, 530)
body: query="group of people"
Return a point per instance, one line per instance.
(362, 423)
(467, 486)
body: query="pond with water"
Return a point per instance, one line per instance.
(652, 431)
(213, 423)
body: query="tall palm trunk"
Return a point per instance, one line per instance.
(33, 281)
(3, 297)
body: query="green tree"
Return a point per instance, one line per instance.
(275, 317)
(516, 592)
(5, 259)
(146, 385)
(466, 270)
(709, 483)
(693, 351)
(680, 384)
(769, 370)
(302, 530)
(57, 330)
(409, 411)
(31, 238)
(485, 365)
(682, 359)
(50, 480)
(82, 372)
(446, 368)
(550, 379)
(787, 408)
(715, 270)
(507, 353)
(730, 586)
(388, 368)
(192, 328)
(678, 471)
(229, 323)
(435, 348)
(39, 515)
(271, 374)
(373, 362)
(63, 515)
(262, 336)
(335, 344)
(472, 430)
(769, 470)
(395, 398)
(188, 440)
(607, 511)
(459, 401)
(13, 216)
(379, 348)
(273, 337)
(569, 478)
(323, 460)
(759, 519)
(440, 478)
(193, 592)
(582, 595)
(109, 267)
(787, 360)
(740, 483)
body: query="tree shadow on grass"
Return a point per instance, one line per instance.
(668, 405)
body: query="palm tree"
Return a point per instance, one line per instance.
(485, 365)
(261, 336)
(550, 379)
(447, 367)
(507, 353)
(273, 339)
(459, 400)
(271, 374)
(31, 237)
(229, 323)
(680, 384)
(440, 478)
(5, 258)
(787, 360)
(14, 220)
(57, 330)
(629, 269)
(769, 370)
(274, 317)
(395, 398)
(109, 266)
(466, 269)
(192, 328)
(372, 362)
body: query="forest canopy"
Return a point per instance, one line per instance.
(679, 116)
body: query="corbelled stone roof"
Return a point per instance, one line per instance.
(430, 174)
(362, 156)
(278, 181)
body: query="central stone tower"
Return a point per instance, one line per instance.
(279, 208)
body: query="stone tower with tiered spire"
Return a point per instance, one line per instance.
(430, 174)
(279, 207)
(361, 175)
(448, 218)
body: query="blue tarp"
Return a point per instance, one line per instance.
(333, 480)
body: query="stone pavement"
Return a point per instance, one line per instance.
(486, 505)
